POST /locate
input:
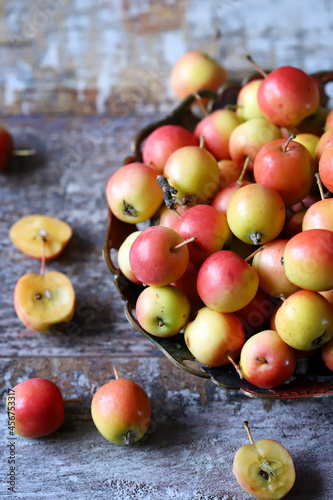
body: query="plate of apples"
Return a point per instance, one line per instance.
(220, 230)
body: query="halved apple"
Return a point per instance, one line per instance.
(29, 233)
(44, 302)
(264, 469)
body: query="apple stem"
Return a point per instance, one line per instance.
(169, 193)
(291, 138)
(249, 257)
(282, 297)
(24, 152)
(202, 141)
(116, 374)
(185, 242)
(240, 178)
(215, 39)
(320, 186)
(249, 435)
(258, 68)
(201, 104)
(237, 368)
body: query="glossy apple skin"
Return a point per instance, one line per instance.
(319, 216)
(326, 139)
(270, 269)
(266, 360)
(162, 310)
(210, 228)
(229, 172)
(195, 71)
(212, 336)
(121, 410)
(38, 407)
(135, 184)
(256, 214)
(327, 354)
(250, 459)
(290, 171)
(308, 259)
(305, 320)
(162, 142)
(6, 147)
(226, 283)
(288, 95)
(169, 218)
(326, 167)
(309, 141)
(43, 315)
(247, 101)
(223, 197)
(216, 129)
(249, 137)
(257, 313)
(194, 172)
(153, 258)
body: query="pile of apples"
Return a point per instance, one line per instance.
(239, 253)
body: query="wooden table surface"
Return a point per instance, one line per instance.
(78, 81)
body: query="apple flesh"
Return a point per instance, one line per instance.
(213, 337)
(162, 310)
(44, 302)
(121, 411)
(33, 232)
(38, 407)
(264, 469)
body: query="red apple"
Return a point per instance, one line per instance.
(288, 95)
(257, 313)
(162, 142)
(327, 354)
(6, 147)
(326, 139)
(326, 167)
(37, 406)
(319, 215)
(223, 197)
(154, 258)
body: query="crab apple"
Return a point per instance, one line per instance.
(133, 193)
(319, 215)
(208, 226)
(212, 337)
(156, 258)
(257, 313)
(223, 197)
(216, 129)
(294, 224)
(309, 141)
(195, 71)
(313, 124)
(123, 257)
(121, 411)
(247, 101)
(169, 218)
(162, 310)
(264, 469)
(188, 284)
(40, 236)
(286, 167)
(249, 137)
(162, 142)
(326, 139)
(226, 283)
(266, 360)
(287, 95)
(269, 265)
(326, 167)
(194, 172)
(308, 259)
(229, 172)
(38, 407)
(327, 354)
(6, 147)
(256, 214)
(44, 302)
(305, 320)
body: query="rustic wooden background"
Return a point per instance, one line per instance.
(78, 79)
